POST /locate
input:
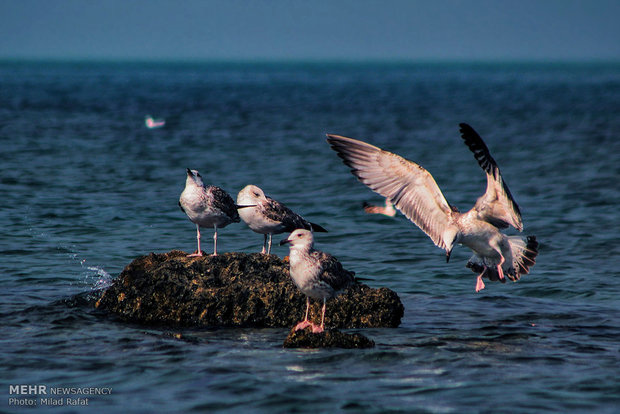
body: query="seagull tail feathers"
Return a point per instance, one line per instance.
(527, 256)
(524, 253)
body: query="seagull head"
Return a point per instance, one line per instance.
(299, 239)
(193, 178)
(250, 194)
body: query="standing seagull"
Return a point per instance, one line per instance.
(207, 206)
(417, 196)
(269, 216)
(318, 275)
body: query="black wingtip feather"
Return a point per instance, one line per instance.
(318, 228)
(481, 152)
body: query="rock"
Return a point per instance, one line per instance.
(328, 339)
(235, 289)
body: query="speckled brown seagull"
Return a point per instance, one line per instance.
(317, 274)
(268, 216)
(416, 194)
(207, 206)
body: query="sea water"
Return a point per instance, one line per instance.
(86, 188)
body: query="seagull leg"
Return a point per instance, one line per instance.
(305, 323)
(264, 245)
(215, 240)
(479, 282)
(319, 329)
(269, 245)
(198, 252)
(499, 268)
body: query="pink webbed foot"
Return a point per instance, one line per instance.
(195, 254)
(500, 271)
(303, 325)
(479, 283)
(317, 329)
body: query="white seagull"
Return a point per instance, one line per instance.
(388, 210)
(152, 123)
(417, 196)
(318, 275)
(207, 206)
(269, 216)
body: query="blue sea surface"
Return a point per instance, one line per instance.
(86, 188)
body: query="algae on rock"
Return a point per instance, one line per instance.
(235, 289)
(330, 338)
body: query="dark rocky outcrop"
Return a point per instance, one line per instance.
(235, 289)
(328, 339)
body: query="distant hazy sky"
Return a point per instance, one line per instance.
(306, 29)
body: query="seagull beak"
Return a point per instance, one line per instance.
(449, 249)
(284, 241)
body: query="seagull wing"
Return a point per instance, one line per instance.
(332, 271)
(224, 202)
(276, 211)
(409, 186)
(496, 206)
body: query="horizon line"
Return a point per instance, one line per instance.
(328, 61)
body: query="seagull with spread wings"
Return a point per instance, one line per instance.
(416, 194)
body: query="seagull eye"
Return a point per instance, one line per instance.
(256, 194)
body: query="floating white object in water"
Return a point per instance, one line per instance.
(207, 206)
(268, 216)
(317, 274)
(388, 210)
(417, 196)
(152, 123)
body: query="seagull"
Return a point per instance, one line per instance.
(207, 206)
(388, 210)
(153, 123)
(417, 196)
(269, 216)
(318, 275)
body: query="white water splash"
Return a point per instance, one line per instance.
(95, 276)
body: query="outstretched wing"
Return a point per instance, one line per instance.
(496, 206)
(409, 186)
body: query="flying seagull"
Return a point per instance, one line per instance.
(317, 274)
(207, 206)
(152, 123)
(416, 194)
(388, 210)
(269, 216)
